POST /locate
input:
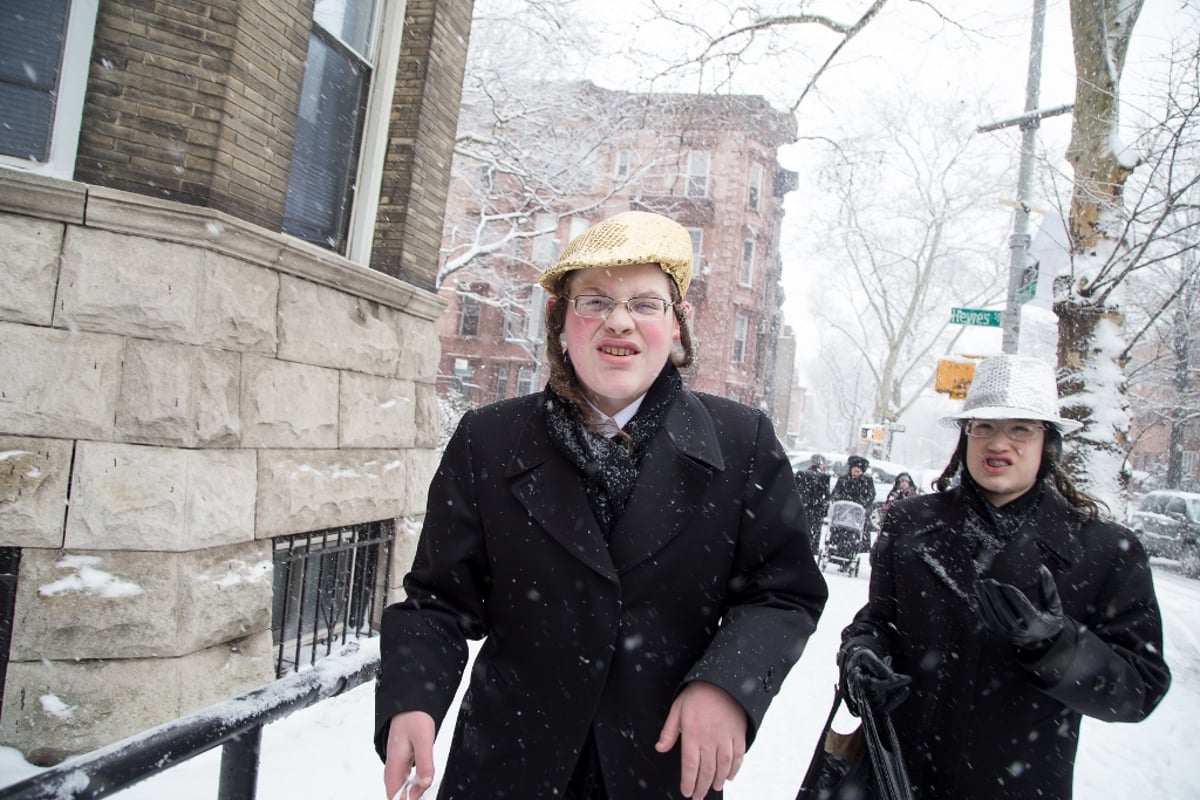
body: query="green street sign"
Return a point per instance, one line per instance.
(1026, 293)
(975, 316)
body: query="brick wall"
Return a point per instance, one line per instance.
(196, 102)
(408, 230)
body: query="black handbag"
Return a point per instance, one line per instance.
(858, 765)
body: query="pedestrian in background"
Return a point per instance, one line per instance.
(814, 492)
(856, 485)
(633, 555)
(1006, 606)
(902, 487)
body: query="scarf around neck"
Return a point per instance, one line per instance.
(990, 528)
(609, 466)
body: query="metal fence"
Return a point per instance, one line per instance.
(329, 591)
(10, 563)
(328, 587)
(236, 725)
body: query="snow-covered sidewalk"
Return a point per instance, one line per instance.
(324, 752)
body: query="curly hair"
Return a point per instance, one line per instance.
(1051, 471)
(563, 379)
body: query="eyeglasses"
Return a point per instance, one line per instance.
(597, 306)
(1016, 430)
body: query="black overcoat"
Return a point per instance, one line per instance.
(814, 493)
(708, 576)
(985, 721)
(859, 489)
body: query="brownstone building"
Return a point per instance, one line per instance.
(219, 232)
(1164, 429)
(709, 162)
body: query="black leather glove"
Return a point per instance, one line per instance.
(1008, 612)
(867, 675)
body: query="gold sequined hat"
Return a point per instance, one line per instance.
(631, 237)
(1013, 387)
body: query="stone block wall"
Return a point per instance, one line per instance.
(178, 387)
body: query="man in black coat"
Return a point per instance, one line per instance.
(814, 493)
(1003, 608)
(631, 553)
(856, 485)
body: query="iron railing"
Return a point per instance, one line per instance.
(328, 587)
(10, 563)
(235, 724)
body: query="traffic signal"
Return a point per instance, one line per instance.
(954, 376)
(871, 433)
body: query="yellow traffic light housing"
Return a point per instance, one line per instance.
(954, 376)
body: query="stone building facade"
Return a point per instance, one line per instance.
(709, 162)
(190, 371)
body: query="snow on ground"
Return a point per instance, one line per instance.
(325, 753)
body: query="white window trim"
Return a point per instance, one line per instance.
(72, 89)
(698, 251)
(707, 174)
(741, 335)
(624, 159)
(369, 179)
(756, 183)
(746, 272)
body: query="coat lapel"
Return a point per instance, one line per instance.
(551, 491)
(1048, 537)
(672, 480)
(943, 548)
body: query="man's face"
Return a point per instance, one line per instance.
(855, 472)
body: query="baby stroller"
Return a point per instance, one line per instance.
(846, 539)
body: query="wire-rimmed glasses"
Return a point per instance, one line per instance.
(598, 306)
(1018, 430)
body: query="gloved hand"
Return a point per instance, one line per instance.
(1008, 612)
(865, 673)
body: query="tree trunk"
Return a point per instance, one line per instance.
(1089, 378)
(1181, 414)
(1079, 350)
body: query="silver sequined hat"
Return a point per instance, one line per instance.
(1013, 387)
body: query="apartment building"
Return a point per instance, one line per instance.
(709, 162)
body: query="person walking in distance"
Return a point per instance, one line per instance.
(814, 492)
(856, 485)
(903, 487)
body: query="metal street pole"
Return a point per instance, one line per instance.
(1019, 241)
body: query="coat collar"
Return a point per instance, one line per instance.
(674, 476)
(1049, 536)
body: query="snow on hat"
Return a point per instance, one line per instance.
(631, 237)
(1013, 387)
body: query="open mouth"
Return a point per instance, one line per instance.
(618, 351)
(996, 463)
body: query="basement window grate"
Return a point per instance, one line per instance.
(329, 587)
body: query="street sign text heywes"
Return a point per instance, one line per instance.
(975, 316)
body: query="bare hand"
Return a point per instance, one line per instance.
(711, 729)
(409, 745)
